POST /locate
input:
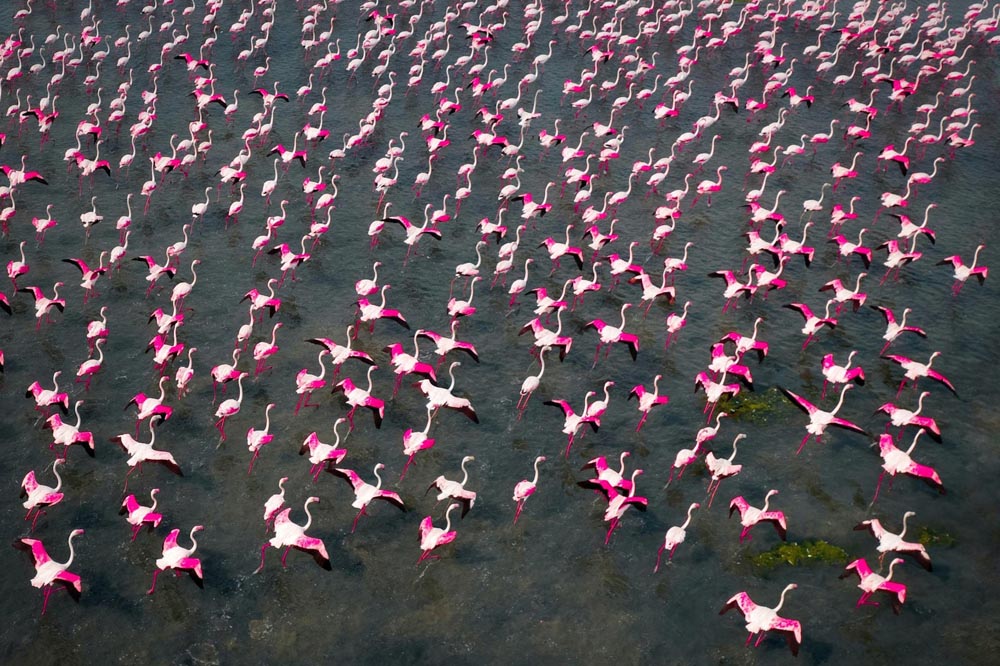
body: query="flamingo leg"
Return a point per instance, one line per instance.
(285, 556)
(152, 587)
(658, 554)
(614, 524)
(135, 531)
(878, 486)
(517, 514)
(263, 553)
(356, 519)
(802, 444)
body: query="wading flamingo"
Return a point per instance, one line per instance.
(525, 489)
(751, 515)
(761, 619)
(179, 558)
(292, 535)
(48, 572)
(674, 537)
(365, 493)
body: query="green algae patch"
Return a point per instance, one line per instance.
(932, 537)
(800, 553)
(753, 407)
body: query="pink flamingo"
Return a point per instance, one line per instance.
(714, 390)
(365, 493)
(751, 515)
(819, 419)
(438, 396)
(896, 461)
(38, 495)
(530, 385)
(137, 514)
(619, 503)
(404, 363)
(761, 619)
(369, 312)
(546, 339)
(275, 502)
(339, 354)
(48, 572)
(915, 370)
(179, 558)
(229, 407)
(525, 489)
(431, 537)
(674, 537)
(675, 323)
(292, 535)
(448, 489)
(258, 439)
(610, 334)
(870, 582)
(306, 383)
(841, 374)
(264, 350)
(963, 272)
(572, 420)
(43, 304)
(91, 366)
(416, 441)
(445, 344)
(721, 468)
(140, 452)
(648, 399)
(321, 454)
(45, 398)
(607, 475)
(844, 294)
(67, 435)
(812, 322)
(16, 268)
(149, 406)
(893, 329)
(901, 418)
(359, 397)
(889, 542)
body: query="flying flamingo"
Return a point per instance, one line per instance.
(445, 344)
(610, 334)
(894, 329)
(179, 558)
(870, 582)
(229, 407)
(359, 397)
(45, 398)
(889, 542)
(321, 454)
(915, 370)
(448, 489)
(714, 390)
(841, 374)
(572, 420)
(137, 514)
(48, 572)
(721, 468)
(648, 399)
(546, 339)
(292, 535)
(525, 489)
(901, 418)
(44, 305)
(38, 495)
(438, 396)
(819, 420)
(67, 435)
(812, 323)
(606, 475)
(275, 502)
(258, 439)
(751, 515)
(761, 619)
(895, 461)
(431, 537)
(140, 452)
(618, 503)
(674, 537)
(365, 493)
(369, 312)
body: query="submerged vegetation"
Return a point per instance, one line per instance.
(753, 407)
(799, 553)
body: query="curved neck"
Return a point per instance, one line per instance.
(69, 541)
(309, 517)
(447, 518)
(377, 477)
(781, 601)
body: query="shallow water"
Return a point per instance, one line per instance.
(547, 587)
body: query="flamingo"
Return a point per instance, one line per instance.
(292, 535)
(721, 468)
(415, 441)
(140, 452)
(675, 322)
(45, 398)
(525, 489)
(841, 374)
(963, 272)
(43, 304)
(67, 435)
(275, 502)
(674, 537)
(870, 582)
(358, 397)
(38, 495)
(893, 329)
(339, 354)
(137, 514)
(572, 421)
(365, 493)
(91, 366)
(446, 344)
(456, 490)
(438, 396)
(431, 537)
(618, 503)
(16, 268)
(229, 407)
(321, 454)
(751, 515)
(761, 619)
(714, 390)
(648, 399)
(306, 383)
(530, 385)
(607, 475)
(812, 322)
(264, 350)
(915, 370)
(179, 558)
(404, 363)
(610, 334)
(891, 542)
(901, 418)
(896, 461)
(369, 312)
(258, 439)
(149, 406)
(819, 420)
(48, 572)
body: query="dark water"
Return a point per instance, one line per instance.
(547, 587)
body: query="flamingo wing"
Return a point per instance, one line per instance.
(740, 601)
(35, 548)
(738, 503)
(29, 484)
(933, 374)
(171, 541)
(799, 401)
(391, 497)
(793, 632)
(350, 476)
(426, 525)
